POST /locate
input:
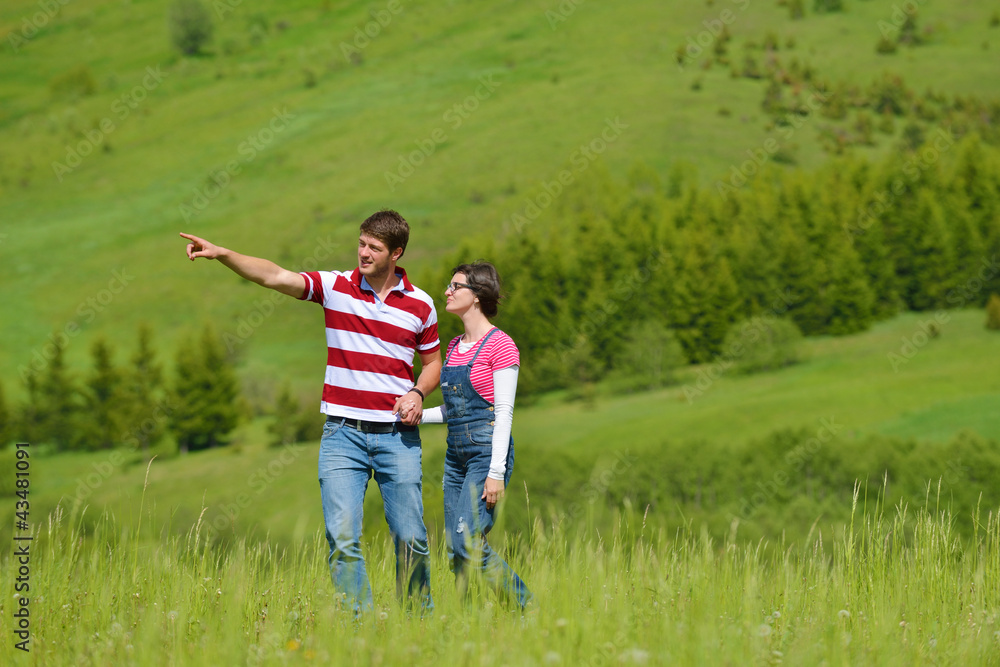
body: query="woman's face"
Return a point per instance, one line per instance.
(458, 298)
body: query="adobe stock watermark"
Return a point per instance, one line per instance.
(794, 460)
(696, 44)
(898, 18)
(258, 482)
(624, 289)
(927, 330)
(248, 149)
(100, 472)
(30, 26)
(455, 117)
(562, 13)
(580, 159)
(750, 332)
(121, 108)
(372, 29)
(884, 200)
(599, 483)
(87, 311)
(739, 175)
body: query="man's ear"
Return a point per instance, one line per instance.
(396, 254)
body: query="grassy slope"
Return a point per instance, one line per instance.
(318, 178)
(847, 379)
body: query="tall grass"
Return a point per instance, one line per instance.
(896, 587)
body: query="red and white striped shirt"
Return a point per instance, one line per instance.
(370, 344)
(498, 353)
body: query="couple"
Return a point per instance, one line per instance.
(376, 320)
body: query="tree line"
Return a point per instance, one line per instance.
(602, 274)
(621, 280)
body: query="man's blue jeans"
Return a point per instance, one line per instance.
(348, 458)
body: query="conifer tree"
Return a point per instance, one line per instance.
(101, 425)
(145, 408)
(58, 400)
(926, 264)
(30, 420)
(6, 422)
(204, 394)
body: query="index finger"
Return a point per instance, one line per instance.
(191, 237)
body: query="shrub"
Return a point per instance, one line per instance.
(823, 6)
(649, 357)
(993, 313)
(885, 46)
(762, 344)
(190, 26)
(76, 81)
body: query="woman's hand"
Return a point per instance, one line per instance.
(492, 492)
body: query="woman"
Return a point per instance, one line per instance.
(478, 381)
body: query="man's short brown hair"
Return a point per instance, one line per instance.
(389, 227)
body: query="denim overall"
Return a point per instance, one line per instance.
(470, 447)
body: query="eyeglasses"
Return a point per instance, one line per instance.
(454, 287)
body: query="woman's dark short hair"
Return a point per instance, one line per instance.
(388, 227)
(485, 283)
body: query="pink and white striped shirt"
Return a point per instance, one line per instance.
(498, 353)
(370, 343)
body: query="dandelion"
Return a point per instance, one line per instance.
(293, 645)
(382, 615)
(561, 622)
(776, 614)
(171, 616)
(553, 657)
(764, 630)
(293, 615)
(844, 614)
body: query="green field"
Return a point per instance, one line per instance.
(312, 184)
(270, 494)
(624, 511)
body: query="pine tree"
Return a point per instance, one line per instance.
(30, 420)
(6, 423)
(101, 425)
(145, 408)
(284, 428)
(58, 396)
(204, 394)
(926, 265)
(993, 312)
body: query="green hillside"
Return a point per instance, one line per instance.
(566, 451)
(546, 87)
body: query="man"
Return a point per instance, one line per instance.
(375, 321)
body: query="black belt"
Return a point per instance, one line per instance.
(372, 427)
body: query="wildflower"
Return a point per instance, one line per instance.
(553, 657)
(764, 630)
(293, 645)
(171, 615)
(844, 614)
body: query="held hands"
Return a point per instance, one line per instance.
(492, 492)
(201, 248)
(410, 408)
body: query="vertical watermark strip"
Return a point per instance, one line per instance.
(22, 547)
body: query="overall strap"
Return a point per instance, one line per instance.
(480, 349)
(481, 344)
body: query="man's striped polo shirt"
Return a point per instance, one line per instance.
(370, 344)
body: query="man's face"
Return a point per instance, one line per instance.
(374, 258)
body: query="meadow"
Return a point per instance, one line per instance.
(896, 588)
(690, 524)
(301, 197)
